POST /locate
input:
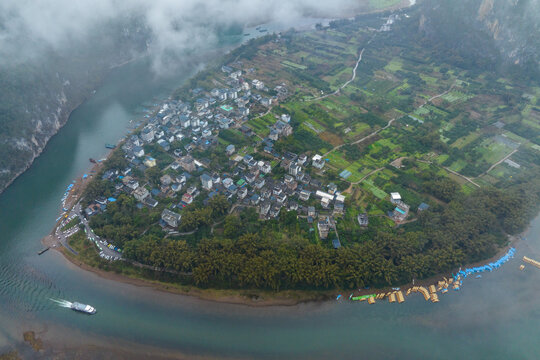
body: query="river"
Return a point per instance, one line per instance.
(494, 317)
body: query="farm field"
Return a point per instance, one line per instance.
(442, 114)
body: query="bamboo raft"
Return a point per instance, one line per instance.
(419, 289)
(392, 298)
(371, 300)
(424, 292)
(531, 261)
(400, 297)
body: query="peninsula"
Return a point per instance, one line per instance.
(345, 157)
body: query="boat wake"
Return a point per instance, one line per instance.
(62, 303)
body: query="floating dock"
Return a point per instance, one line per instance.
(531, 261)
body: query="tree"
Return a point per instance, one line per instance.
(153, 175)
(232, 227)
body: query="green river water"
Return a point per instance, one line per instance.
(495, 317)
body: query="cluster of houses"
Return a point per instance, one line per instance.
(247, 182)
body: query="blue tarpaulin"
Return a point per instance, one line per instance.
(488, 267)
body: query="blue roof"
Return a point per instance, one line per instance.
(345, 174)
(111, 199)
(423, 206)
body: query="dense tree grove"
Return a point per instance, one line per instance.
(276, 254)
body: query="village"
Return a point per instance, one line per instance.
(303, 158)
(254, 175)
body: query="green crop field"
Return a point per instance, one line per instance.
(454, 96)
(492, 151)
(458, 165)
(394, 65)
(337, 159)
(262, 125)
(463, 141)
(379, 193)
(294, 65)
(428, 79)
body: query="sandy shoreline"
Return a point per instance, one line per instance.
(253, 297)
(259, 298)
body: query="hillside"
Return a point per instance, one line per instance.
(39, 94)
(486, 32)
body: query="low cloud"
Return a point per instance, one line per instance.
(29, 28)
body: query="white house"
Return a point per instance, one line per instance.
(395, 198)
(317, 161)
(206, 181)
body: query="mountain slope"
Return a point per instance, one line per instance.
(498, 33)
(39, 94)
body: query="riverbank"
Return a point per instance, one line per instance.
(250, 297)
(261, 298)
(255, 298)
(433, 280)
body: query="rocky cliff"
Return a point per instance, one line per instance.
(38, 95)
(486, 32)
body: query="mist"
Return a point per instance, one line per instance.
(28, 29)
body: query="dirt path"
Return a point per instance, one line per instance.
(461, 176)
(346, 83)
(362, 139)
(349, 189)
(498, 162)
